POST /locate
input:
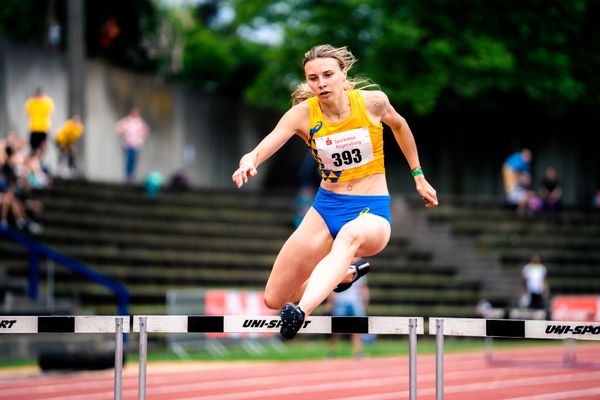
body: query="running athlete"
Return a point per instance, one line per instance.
(350, 216)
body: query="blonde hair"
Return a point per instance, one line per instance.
(345, 60)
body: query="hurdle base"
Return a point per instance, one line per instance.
(77, 359)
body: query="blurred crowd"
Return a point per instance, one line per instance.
(23, 172)
(520, 191)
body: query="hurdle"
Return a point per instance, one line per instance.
(502, 328)
(144, 324)
(74, 324)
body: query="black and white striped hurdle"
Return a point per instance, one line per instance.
(498, 328)
(117, 325)
(271, 324)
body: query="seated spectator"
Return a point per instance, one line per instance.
(513, 169)
(13, 201)
(551, 191)
(523, 198)
(180, 181)
(38, 177)
(152, 184)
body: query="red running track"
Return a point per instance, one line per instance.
(536, 373)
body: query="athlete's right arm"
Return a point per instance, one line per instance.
(293, 122)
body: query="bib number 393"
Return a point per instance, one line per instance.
(345, 150)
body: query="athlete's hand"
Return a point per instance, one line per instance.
(240, 176)
(426, 191)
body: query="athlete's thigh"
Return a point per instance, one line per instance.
(372, 231)
(299, 255)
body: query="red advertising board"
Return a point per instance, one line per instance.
(576, 308)
(235, 302)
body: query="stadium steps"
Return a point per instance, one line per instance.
(569, 245)
(210, 239)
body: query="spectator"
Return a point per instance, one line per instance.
(514, 169)
(12, 195)
(65, 139)
(534, 283)
(152, 184)
(352, 302)
(523, 198)
(180, 181)
(551, 191)
(134, 131)
(34, 172)
(39, 108)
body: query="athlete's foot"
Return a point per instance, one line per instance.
(356, 270)
(292, 318)
(350, 275)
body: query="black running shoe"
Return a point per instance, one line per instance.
(292, 318)
(361, 266)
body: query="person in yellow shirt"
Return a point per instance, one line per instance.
(65, 139)
(39, 107)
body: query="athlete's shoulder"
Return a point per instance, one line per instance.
(301, 109)
(375, 100)
(297, 117)
(374, 96)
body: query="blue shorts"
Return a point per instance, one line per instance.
(339, 209)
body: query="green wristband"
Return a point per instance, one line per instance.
(416, 171)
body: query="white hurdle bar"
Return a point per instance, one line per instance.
(503, 328)
(271, 324)
(74, 324)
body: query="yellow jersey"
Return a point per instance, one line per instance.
(69, 133)
(39, 110)
(349, 149)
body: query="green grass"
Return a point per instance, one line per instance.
(316, 348)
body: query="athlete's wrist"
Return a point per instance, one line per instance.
(416, 171)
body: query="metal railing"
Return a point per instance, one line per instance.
(36, 250)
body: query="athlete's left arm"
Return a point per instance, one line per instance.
(378, 102)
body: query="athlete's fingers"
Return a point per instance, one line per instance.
(240, 176)
(428, 194)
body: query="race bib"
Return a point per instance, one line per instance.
(345, 150)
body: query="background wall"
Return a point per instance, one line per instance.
(201, 134)
(205, 135)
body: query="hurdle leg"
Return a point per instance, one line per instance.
(143, 347)
(118, 357)
(412, 358)
(488, 349)
(570, 354)
(439, 359)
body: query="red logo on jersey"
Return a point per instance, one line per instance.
(328, 142)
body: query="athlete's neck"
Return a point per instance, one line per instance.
(336, 109)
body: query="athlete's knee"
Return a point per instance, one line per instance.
(349, 236)
(273, 302)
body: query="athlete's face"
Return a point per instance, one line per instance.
(325, 77)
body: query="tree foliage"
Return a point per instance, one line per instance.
(427, 53)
